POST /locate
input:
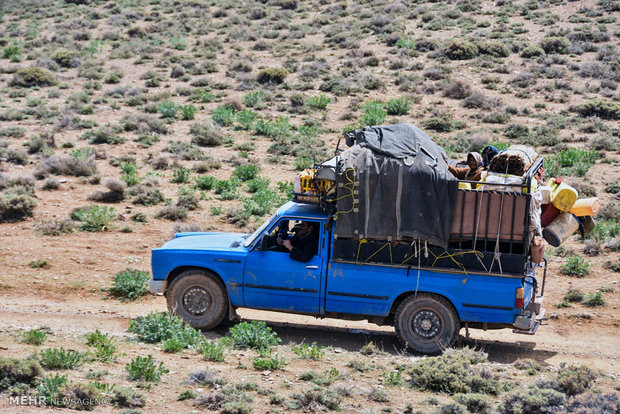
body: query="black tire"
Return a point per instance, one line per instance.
(199, 298)
(426, 323)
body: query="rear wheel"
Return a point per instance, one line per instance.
(199, 298)
(426, 323)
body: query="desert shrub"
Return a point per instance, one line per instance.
(496, 118)
(576, 266)
(54, 227)
(478, 100)
(13, 53)
(61, 358)
(532, 401)
(246, 172)
(574, 295)
(532, 51)
(130, 284)
(255, 335)
(593, 402)
(228, 400)
(204, 182)
(33, 76)
(493, 48)
(172, 213)
(571, 379)
(553, 44)
(187, 200)
(393, 378)
(127, 397)
(603, 143)
(305, 351)
(34, 337)
(272, 75)
(571, 161)
(64, 58)
(440, 124)
(373, 113)
(245, 119)
(475, 403)
(13, 132)
(145, 369)
(145, 195)
(15, 205)
(454, 372)
(95, 218)
(317, 398)
(204, 377)
(205, 135)
(530, 366)
(594, 299)
(459, 49)
(18, 371)
(102, 136)
(224, 115)
(457, 89)
(599, 108)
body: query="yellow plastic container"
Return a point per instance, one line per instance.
(586, 207)
(563, 196)
(465, 186)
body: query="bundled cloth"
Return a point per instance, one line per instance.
(515, 160)
(394, 185)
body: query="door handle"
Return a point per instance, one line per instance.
(312, 267)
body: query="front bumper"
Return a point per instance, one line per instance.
(158, 286)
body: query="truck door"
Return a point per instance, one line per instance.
(273, 280)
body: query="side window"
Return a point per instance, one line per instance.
(303, 235)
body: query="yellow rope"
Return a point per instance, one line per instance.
(358, 249)
(381, 248)
(350, 186)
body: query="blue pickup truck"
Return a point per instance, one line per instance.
(428, 296)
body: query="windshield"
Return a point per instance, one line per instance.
(258, 232)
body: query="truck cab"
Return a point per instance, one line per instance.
(206, 276)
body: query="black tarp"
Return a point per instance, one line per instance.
(393, 184)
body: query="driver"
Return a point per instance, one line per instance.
(303, 245)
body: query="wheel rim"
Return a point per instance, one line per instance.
(426, 324)
(197, 300)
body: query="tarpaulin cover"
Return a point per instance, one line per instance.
(395, 185)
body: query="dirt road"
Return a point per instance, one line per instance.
(71, 316)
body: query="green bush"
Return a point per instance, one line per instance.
(213, 350)
(272, 75)
(162, 327)
(599, 108)
(61, 358)
(13, 53)
(393, 378)
(574, 295)
(18, 371)
(495, 49)
(571, 161)
(34, 76)
(246, 172)
(102, 136)
(34, 337)
(269, 363)
(373, 113)
(572, 379)
(104, 346)
(454, 372)
(253, 99)
(317, 398)
(204, 182)
(50, 387)
(605, 230)
(318, 102)
(95, 218)
(459, 49)
(532, 51)
(181, 175)
(126, 397)
(576, 266)
(398, 106)
(255, 335)
(224, 115)
(313, 351)
(145, 369)
(440, 124)
(246, 119)
(594, 299)
(130, 284)
(168, 109)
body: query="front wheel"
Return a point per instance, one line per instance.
(426, 323)
(199, 298)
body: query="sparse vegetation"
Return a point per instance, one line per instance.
(130, 284)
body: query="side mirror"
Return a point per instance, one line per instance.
(264, 242)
